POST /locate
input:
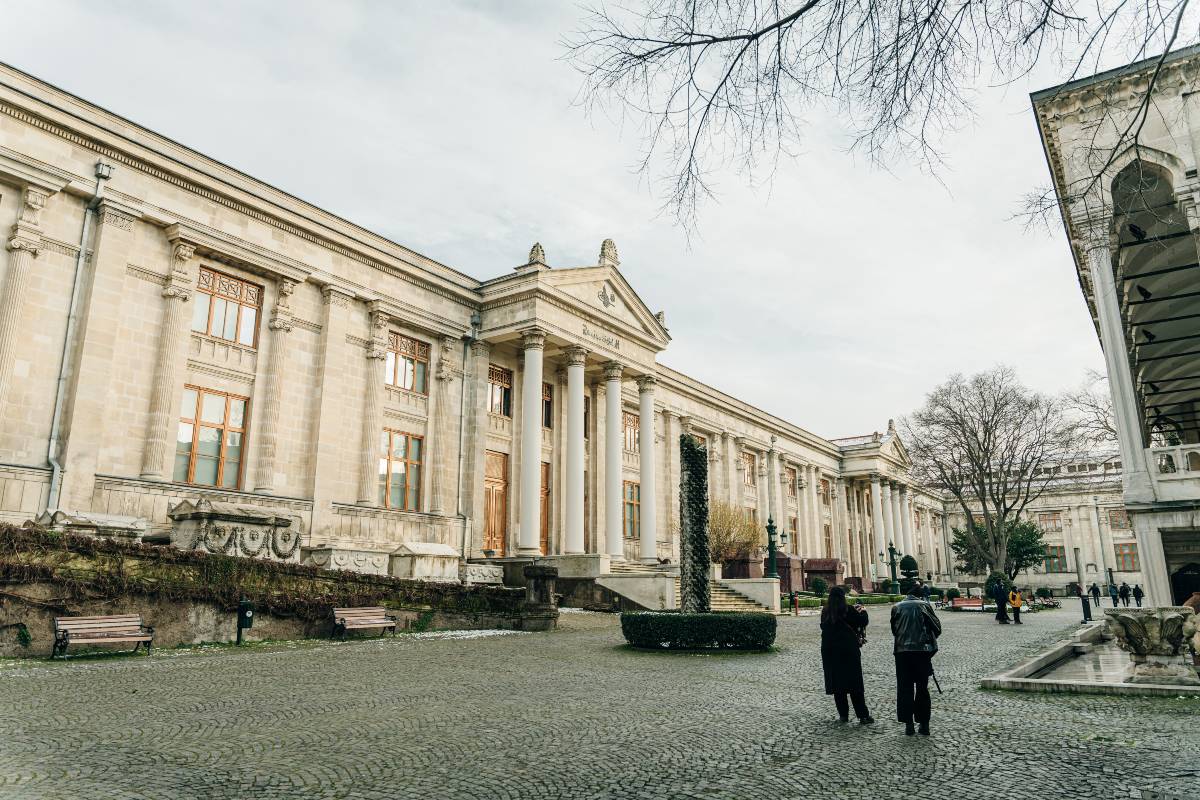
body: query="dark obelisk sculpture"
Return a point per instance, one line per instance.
(693, 527)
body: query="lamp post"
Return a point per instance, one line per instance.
(891, 562)
(771, 572)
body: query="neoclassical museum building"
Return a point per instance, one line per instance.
(181, 342)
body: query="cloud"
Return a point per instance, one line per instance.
(835, 296)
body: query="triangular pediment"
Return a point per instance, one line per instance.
(607, 294)
(896, 449)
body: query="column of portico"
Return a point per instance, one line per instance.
(648, 513)
(672, 430)
(889, 533)
(772, 486)
(23, 248)
(841, 515)
(816, 521)
(897, 522)
(613, 436)
(533, 342)
(880, 498)
(168, 365)
(376, 355)
(576, 358)
(799, 547)
(910, 545)
(280, 325)
(738, 477)
(732, 469)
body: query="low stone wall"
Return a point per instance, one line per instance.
(194, 594)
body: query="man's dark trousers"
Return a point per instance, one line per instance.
(912, 686)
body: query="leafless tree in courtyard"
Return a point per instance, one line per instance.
(719, 83)
(993, 445)
(1092, 406)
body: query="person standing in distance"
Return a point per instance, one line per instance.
(915, 628)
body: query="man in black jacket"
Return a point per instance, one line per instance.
(916, 629)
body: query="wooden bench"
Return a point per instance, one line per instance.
(348, 619)
(101, 630)
(967, 602)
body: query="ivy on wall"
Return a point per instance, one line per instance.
(91, 569)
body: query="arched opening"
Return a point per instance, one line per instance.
(1156, 278)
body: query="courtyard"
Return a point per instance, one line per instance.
(571, 714)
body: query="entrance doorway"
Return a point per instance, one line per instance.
(1184, 582)
(495, 502)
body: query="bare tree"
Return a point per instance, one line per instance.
(731, 534)
(991, 444)
(1092, 406)
(716, 83)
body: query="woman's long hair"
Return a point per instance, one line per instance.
(835, 609)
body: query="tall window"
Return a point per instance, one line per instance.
(828, 541)
(749, 469)
(587, 415)
(1127, 558)
(790, 474)
(794, 530)
(212, 438)
(1056, 558)
(407, 364)
(1118, 519)
(227, 308)
(400, 470)
(633, 509)
(824, 492)
(632, 425)
(1050, 522)
(547, 406)
(500, 390)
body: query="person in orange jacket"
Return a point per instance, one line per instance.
(1014, 602)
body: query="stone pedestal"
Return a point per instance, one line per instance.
(368, 562)
(425, 561)
(1157, 642)
(87, 523)
(234, 530)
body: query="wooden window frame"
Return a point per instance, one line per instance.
(1121, 514)
(1126, 554)
(792, 477)
(631, 426)
(1056, 559)
(824, 491)
(403, 351)
(1055, 519)
(749, 469)
(631, 508)
(388, 459)
(500, 390)
(547, 406)
(225, 428)
(233, 290)
(587, 416)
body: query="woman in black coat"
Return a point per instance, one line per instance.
(841, 626)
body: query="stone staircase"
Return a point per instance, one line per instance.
(722, 598)
(632, 568)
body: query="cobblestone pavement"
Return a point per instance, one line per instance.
(571, 714)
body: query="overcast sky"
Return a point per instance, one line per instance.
(835, 298)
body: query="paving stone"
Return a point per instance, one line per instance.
(572, 714)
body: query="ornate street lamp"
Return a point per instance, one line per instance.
(891, 562)
(771, 571)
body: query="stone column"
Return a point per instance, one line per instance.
(889, 533)
(475, 440)
(648, 518)
(576, 358)
(280, 326)
(372, 424)
(533, 342)
(168, 364)
(1097, 250)
(910, 546)
(613, 445)
(897, 523)
(672, 429)
(23, 248)
(441, 454)
(841, 516)
(336, 388)
(733, 494)
(772, 460)
(817, 540)
(802, 516)
(879, 497)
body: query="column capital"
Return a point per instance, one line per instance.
(576, 356)
(24, 243)
(33, 200)
(876, 478)
(533, 339)
(481, 348)
(646, 383)
(613, 370)
(335, 296)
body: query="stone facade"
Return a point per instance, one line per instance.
(1122, 149)
(175, 332)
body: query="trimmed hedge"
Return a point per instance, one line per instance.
(671, 630)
